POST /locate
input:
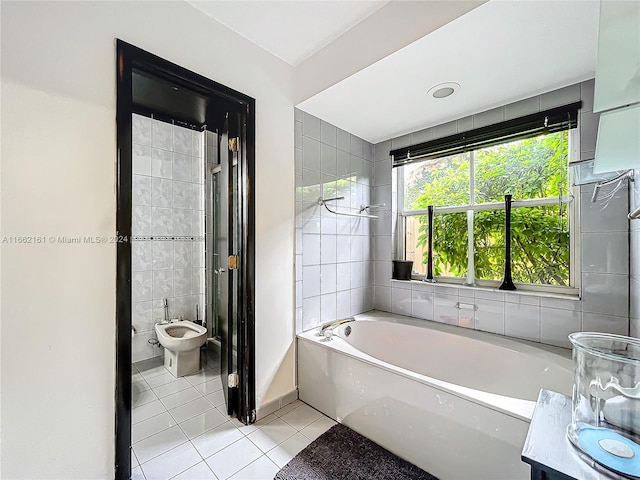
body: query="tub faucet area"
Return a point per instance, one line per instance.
(332, 324)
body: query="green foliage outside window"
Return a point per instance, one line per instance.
(526, 169)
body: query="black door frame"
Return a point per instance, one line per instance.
(129, 58)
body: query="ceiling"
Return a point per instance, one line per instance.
(290, 30)
(499, 52)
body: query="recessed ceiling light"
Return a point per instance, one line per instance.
(443, 90)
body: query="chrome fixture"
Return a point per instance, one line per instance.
(323, 202)
(466, 306)
(165, 305)
(326, 328)
(620, 178)
(365, 208)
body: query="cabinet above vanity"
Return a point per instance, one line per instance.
(617, 86)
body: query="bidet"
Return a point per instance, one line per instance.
(181, 341)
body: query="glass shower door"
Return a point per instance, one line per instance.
(226, 268)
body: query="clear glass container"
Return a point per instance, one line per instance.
(605, 421)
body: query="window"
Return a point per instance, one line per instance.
(467, 191)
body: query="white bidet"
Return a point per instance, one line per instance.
(181, 341)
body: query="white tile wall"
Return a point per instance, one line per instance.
(336, 276)
(168, 200)
(634, 249)
(610, 266)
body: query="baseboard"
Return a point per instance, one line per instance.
(277, 404)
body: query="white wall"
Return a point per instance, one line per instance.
(58, 162)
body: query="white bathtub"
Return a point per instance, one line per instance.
(453, 401)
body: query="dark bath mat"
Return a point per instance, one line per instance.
(342, 454)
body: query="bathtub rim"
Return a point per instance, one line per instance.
(518, 408)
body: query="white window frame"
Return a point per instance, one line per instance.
(571, 201)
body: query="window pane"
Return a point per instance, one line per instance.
(531, 168)
(489, 241)
(539, 245)
(450, 242)
(439, 182)
(416, 236)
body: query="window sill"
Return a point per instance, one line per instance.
(454, 286)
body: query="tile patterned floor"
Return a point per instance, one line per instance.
(180, 429)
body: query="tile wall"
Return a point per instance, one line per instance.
(604, 232)
(634, 264)
(334, 253)
(167, 247)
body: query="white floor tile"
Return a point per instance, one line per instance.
(162, 379)
(233, 458)
(199, 471)
(199, 424)
(142, 398)
(171, 463)
(283, 453)
(134, 460)
(147, 411)
(216, 439)
(202, 376)
(272, 434)
(317, 428)
(261, 469)
(210, 386)
(191, 409)
(148, 364)
(151, 426)
(302, 416)
(212, 363)
(139, 386)
(287, 408)
(136, 474)
(158, 444)
(216, 398)
(154, 372)
(223, 410)
(177, 385)
(136, 377)
(176, 399)
(247, 429)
